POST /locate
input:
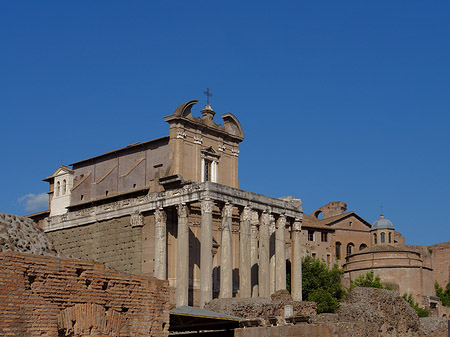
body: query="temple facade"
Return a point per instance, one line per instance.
(172, 208)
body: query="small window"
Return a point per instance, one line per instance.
(313, 255)
(134, 185)
(390, 237)
(328, 258)
(58, 187)
(375, 241)
(351, 223)
(82, 197)
(324, 236)
(338, 250)
(350, 248)
(64, 187)
(382, 237)
(106, 193)
(310, 235)
(362, 246)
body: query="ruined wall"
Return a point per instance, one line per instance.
(440, 259)
(48, 296)
(113, 242)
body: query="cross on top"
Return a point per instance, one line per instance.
(208, 95)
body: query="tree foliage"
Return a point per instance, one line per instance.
(420, 311)
(321, 284)
(368, 280)
(444, 295)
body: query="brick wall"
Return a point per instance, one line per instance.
(114, 243)
(49, 296)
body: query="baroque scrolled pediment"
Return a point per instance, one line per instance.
(231, 126)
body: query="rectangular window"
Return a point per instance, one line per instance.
(310, 235)
(207, 170)
(324, 236)
(313, 255)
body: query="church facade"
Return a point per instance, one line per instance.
(172, 208)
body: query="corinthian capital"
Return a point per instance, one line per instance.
(227, 210)
(182, 210)
(160, 216)
(207, 206)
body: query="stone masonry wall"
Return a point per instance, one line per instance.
(49, 296)
(113, 242)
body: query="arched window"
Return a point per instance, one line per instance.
(375, 238)
(362, 246)
(64, 187)
(350, 248)
(390, 237)
(382, 237)
(58, 186)
(338, 250)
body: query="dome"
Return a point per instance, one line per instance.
(382, 223)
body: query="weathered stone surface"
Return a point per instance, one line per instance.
(20, 234)
(259, 307)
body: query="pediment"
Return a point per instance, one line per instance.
(61, 170)
(210, 150)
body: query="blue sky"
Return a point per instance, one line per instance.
(338, 100)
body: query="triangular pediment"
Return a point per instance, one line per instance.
(61, 170)
(210, 150)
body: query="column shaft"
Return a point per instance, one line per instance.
(280, 253)
(160, 244)
(254, 254)
(182, 290)
(206, 253)
(245, 290)
(226, 265)
(264, 277)
(272, 261)
(296, 265)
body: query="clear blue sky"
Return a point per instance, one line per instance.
(338, 100)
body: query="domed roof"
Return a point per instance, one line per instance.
(382, 223)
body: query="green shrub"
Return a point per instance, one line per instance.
(321, 284)
(368, 280)
(444, 295)
(422, 312)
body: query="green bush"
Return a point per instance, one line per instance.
(321, 284)
(420, 311)
(444, 295)
(368, 280)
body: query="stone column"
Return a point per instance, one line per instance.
(280, 253)
(296, 265)
(206, 253)
(264, 270)
(160, 244)
(226, 265)
(272, 265)
(182, 290)
(245, 288)
(254, 253)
